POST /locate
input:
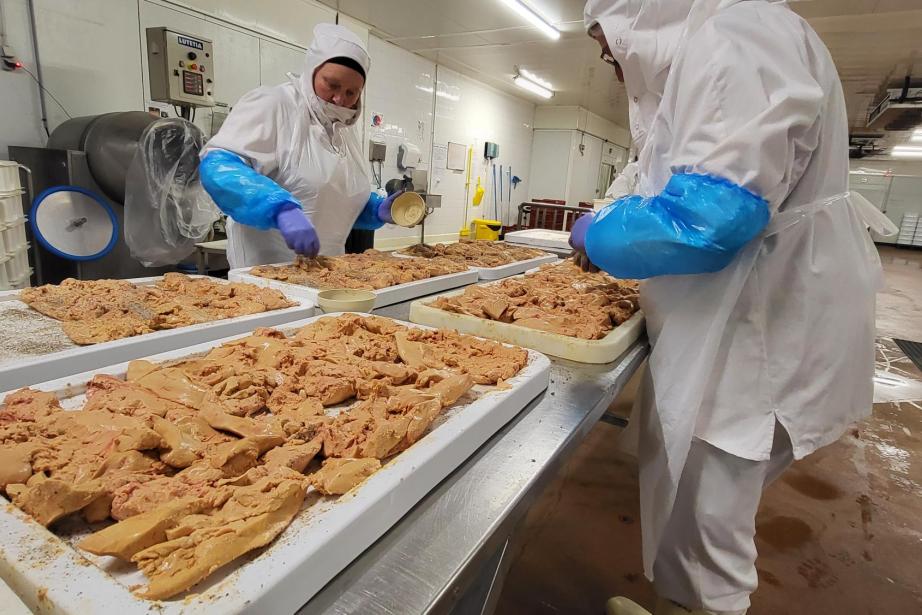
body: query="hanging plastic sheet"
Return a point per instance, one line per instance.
(166, 209)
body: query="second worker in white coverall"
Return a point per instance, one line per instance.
(760, 274)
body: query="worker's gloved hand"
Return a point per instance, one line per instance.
(384, 209)
(578, 242)
(299, 233)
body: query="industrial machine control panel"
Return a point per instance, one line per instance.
(181, 68)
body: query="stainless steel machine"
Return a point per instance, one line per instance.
(86, 160)
(87, 156)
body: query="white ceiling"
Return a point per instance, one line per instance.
(872, 41)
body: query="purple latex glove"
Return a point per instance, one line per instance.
(578, 242)
(384, 209)
(299, 233)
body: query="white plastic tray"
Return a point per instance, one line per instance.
(540, 238)
(50, 575)
(385, 296)
(20, 372)
(604, 350)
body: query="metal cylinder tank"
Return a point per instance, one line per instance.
(109, 141)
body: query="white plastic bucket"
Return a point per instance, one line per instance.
(14, 234)
(10, 206)
(9, 176)
(17, 264)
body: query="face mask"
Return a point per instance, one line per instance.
(332, 113)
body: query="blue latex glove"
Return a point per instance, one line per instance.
(299, 233)
(696, 225)
(384, 209)
(578, 232)
(578, 241)
(241, 192)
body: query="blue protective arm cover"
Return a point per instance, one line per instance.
(241, 192)
(368, 220)
(696, 225)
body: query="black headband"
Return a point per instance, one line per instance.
(348, 63)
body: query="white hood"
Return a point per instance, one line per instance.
(331, 41)
(644, 37)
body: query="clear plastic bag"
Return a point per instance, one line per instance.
(166, 209)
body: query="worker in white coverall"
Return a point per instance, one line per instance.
(760, 274)
(287, 165)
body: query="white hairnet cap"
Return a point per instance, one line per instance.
(333, 41)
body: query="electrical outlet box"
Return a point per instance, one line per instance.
(376, 151)
(181, 68)
(490, 150)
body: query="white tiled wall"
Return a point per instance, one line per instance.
(399, 89)
(472, 113)
(402, 88)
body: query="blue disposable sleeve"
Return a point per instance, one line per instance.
(696, 225)
(242, 193)
(368, 220)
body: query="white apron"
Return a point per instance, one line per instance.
(322, 171)
(687, 338)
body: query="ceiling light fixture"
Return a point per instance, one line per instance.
(916, 136)
(532, 17)
(531, 86)
(533, 77)
(906, 151)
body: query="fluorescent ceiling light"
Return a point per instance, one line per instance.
(531, 86)
(529, 15)
(533, 77)
(916, 136)
(906, 151)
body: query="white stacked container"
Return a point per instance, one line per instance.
(14, 250)
(9, 176)
(908, 226)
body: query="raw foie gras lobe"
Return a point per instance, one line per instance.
(16, 463)
(124, 539)
(338, 476)
(251, 518)
(48, 499)
(486, 254)
(370, 270)
(560, 299)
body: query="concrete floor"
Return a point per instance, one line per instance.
(840, 532)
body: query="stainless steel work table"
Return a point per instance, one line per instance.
(447, 553)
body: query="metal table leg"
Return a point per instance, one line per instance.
(201, 261)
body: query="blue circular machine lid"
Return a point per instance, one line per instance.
(74, 223)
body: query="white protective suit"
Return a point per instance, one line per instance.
(285, 132)
(784, 335)
(625, 184)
